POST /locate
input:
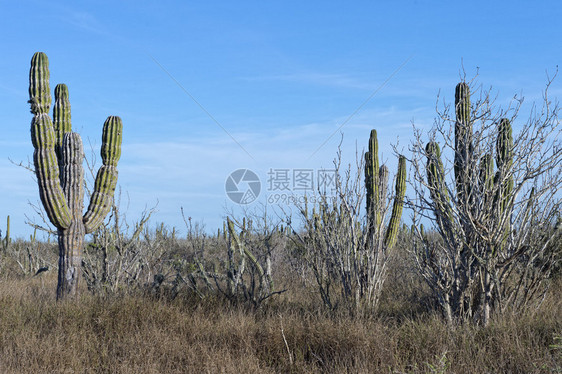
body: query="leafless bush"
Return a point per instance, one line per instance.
(243, 272)
(28, 257)
(120, 256)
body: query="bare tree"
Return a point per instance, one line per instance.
(491, 228)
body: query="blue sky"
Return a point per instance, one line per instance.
(279, 76)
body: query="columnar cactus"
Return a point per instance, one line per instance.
(504, 159)
(376, 179)
(477, 222)
(399, 192)
(58, 160)
(495, 190)
(463, 142)
(486, 178)
(435, 172)
(437, 188)
(372, 178)
(504, 178)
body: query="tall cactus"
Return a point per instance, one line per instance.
(437, 188)
(504, 177)
(372, 177)
(376, 179)
(494, 191)
(477, 223)
(435, 173)
(463, 142)
(58, 160)
(486, 179)
(399, 193)
(504, 160)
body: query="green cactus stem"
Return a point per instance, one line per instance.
(435, 174)
(463, 142)
(437, 188)
(399, 193)
(504, 178)
(376, 180)
(58, 160)
(61, 116)
(504, 159)
(486, 180)
(372, 180)
(106, 179)
(383, 187)
(39, 89)
(47, 171)
(487, 172)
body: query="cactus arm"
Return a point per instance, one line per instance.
(372, 180)
(61, 116)
(435, 173)
(486, 172)
(504, 159)
(102, 198)
(400, 191)
(504, 143)
(47, 171)
(111, 140)
(106, 179)
(39, 89)
(486, 181)
(44, 141)
(383, 183)
(73, 172)
(463, 141)
(437, 188)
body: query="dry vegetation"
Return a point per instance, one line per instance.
(147, 330)
(333, 295)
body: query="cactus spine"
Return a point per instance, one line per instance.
(58, 165)
(376, 179)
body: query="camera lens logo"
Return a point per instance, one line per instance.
(242, 186)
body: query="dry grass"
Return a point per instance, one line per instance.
(144, 334)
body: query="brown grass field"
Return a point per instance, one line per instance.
(146, 333)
